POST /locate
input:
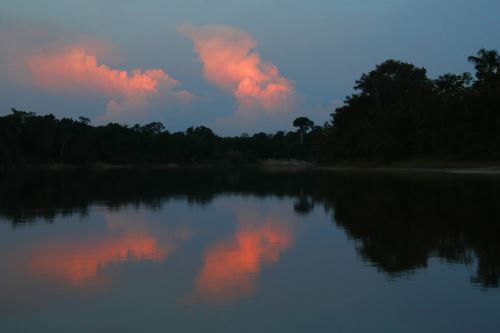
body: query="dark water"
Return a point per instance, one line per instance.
(243, 250)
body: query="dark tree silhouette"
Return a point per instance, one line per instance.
(26, 138)
(304, 124)
(486, 63)
(398, 113)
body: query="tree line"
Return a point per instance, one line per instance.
(27, 138)
(396, 112)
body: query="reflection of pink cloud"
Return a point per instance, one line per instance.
(75, 69)
(231, 266)
(230, 63)
(78, 263)
(128, 239)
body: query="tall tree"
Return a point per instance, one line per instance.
(486, 63)
(303, 124)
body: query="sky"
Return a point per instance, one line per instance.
(232, 65)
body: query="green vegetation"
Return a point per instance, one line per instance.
(396, 113)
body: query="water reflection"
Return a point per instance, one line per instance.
(127, 238)
(397, 221)
(76, 263)
(232, 266)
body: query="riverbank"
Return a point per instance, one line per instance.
(420, 165)
(469, 167)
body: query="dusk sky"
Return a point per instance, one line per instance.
(232, 65)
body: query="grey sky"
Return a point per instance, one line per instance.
(323, 46)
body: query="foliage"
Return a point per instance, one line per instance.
(26, 138)
(399, 113)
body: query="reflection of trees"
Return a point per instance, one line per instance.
(303, 205)
(398, 221)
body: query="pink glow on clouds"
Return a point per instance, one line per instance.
(75, 69)
(231, 63)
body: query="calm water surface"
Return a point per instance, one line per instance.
(244, 250)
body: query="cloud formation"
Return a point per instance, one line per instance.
(74, 69)
(51, 59)
(231, 63)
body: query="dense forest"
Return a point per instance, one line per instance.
(395, 113)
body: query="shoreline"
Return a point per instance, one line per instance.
(477, 168)
(448, 170)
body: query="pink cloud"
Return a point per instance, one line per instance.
(74, 69)
(231, 63)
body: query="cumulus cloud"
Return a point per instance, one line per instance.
(231, 63)
(44, 57)
(74, 69)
